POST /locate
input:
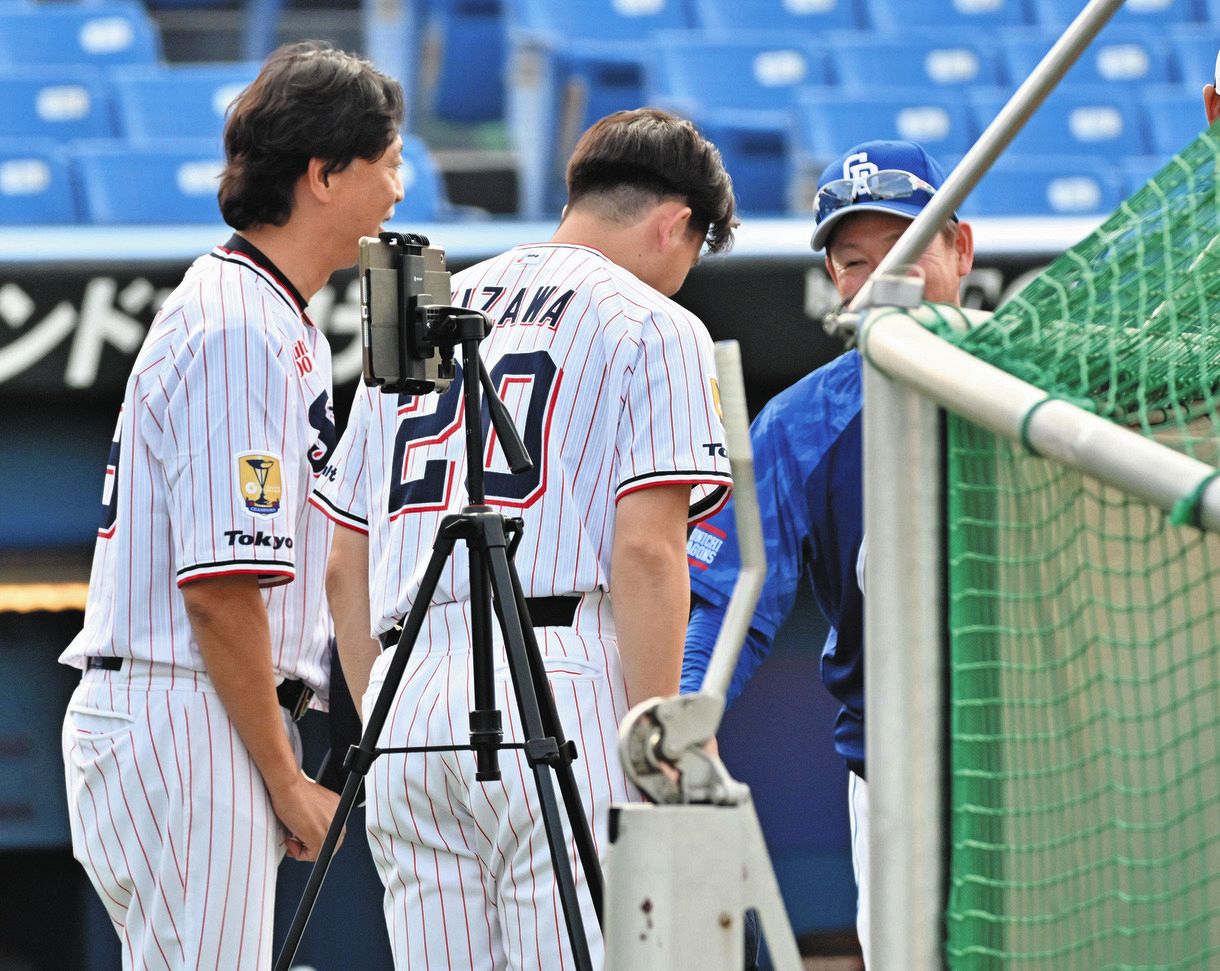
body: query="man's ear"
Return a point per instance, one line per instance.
(963, 245)
(673, 221)
(1211, 102)
(830, 269)
(316, 180)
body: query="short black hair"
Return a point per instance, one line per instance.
(308, 101)
(634, 158)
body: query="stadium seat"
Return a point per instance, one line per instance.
(794, 15)
(1155, 14)
(166, 182)
(178, 100)
(1135, 172)
(828, 123)
(739, 89)
(755, 71)
(1046, 186)
(59, 103)
(35, 185)
(1125, 55)
(899, 16)
(100, 35)
(1174, 117)
(932, 60)
(462, 77)
(1082, 120)
(1195, 53)
(570, 63)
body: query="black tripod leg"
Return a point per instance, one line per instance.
(514, 625)
(360, 758)
(581, 830)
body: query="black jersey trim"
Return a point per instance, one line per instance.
(269, 566)
(710, 503)
(321, 501)
(265, 268)
(694, 476)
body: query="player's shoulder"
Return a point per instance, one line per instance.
(219, 304)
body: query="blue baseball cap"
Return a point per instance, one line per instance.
(878, 176)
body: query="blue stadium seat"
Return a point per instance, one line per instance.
(807, 16)
(604, 20)
(899, 16)
(59, 103)
(463, 77)
(1125, 55)
(423, 187)
(1195, 51)
(101, 35)
(943, 59)
(1135, 172)
(178, 100)
(750, 70)
(35, 185)
(829, 123)
(1040, 186)
(1174, 118)
(1155, 14)
(570, 63)
(166, 182)
(1082, 120)
(739, 89)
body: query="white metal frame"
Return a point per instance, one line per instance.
(904, 632)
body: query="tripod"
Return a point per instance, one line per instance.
(491, 540)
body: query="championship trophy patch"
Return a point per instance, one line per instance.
(260, 482)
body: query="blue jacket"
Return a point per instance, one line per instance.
(808, 461)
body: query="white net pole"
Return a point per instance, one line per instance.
(904, 607)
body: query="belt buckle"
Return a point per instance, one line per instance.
(301, 705)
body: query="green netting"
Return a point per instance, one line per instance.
(1084, 625)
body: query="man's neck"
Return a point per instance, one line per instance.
(295, 254)
(620, 244)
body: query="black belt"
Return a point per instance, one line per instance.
(543, 611)
(293, 695)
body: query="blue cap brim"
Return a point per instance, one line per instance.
(895, 207)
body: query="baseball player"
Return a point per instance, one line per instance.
(205, 632)
(807, 450)
(612, 387)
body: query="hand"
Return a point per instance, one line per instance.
(306, 810)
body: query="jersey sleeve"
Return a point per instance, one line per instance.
(671, 432)
(712, 551)
(341, 492)
(232, 455)
(701, 633)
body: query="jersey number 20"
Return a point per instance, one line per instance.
(431, 490)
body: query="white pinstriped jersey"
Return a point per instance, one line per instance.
(226, 421)
(612, 387)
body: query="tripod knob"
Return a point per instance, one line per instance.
(486, 734)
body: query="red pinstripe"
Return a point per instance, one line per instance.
(207, 885)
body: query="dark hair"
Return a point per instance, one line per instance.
(632, 159)
(308, 101)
